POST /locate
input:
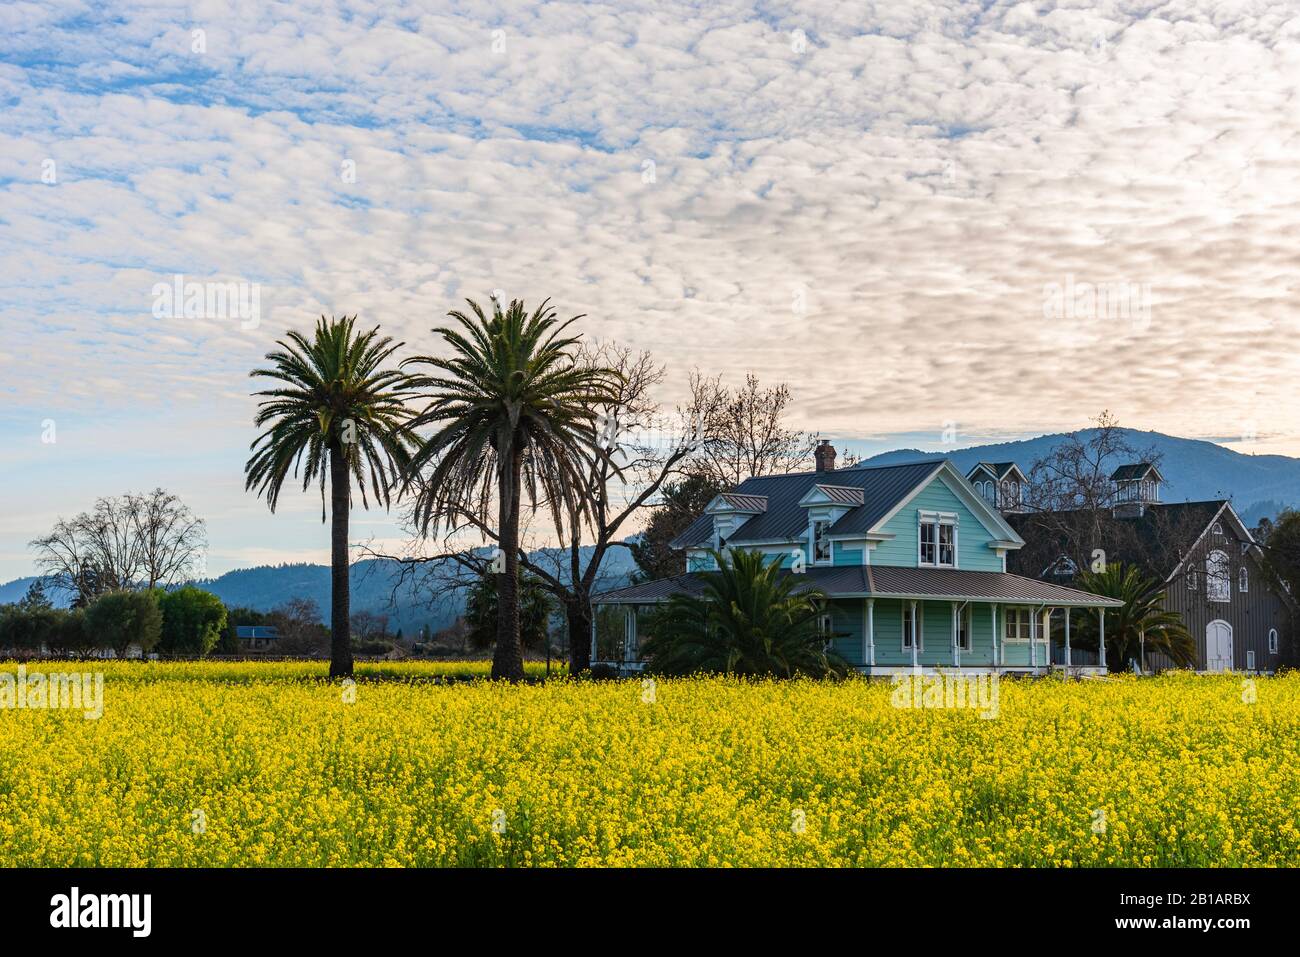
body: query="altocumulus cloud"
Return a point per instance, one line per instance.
(868, 200)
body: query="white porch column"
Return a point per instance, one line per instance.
(956, 652)
(1033, 640)
(993, 617)
(629, 640)
(1067, 637)
(1101, 640)
(871, 632)
(916, 638)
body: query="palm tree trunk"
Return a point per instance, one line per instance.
(508, 660)
(340, 599)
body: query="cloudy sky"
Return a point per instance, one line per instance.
(990, 216)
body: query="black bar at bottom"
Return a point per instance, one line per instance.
(338, 906)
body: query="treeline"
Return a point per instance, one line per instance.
(181, 622)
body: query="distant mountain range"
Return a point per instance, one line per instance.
(435, 603)
(1259, 485)
(1195, 470)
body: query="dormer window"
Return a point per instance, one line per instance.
(821, 542)
(938, 541)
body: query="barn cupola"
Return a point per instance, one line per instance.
(730, 510)
(1136, 487)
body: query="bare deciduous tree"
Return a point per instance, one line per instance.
(745, 431)
(170, 538)
(128, 541)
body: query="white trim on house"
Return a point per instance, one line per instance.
(917, 607)
(939, 521)
(1237, 523)
(1218, 576)
(984, 513)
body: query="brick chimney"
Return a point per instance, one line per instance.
(825, 456)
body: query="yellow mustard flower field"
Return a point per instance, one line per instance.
(258, 764)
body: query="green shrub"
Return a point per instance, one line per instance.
(120, 619)
(192, 621)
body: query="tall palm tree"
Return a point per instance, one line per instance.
(1141, 625)
(512, 412)
(337, 409)
(751, 619)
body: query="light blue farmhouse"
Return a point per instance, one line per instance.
(912, 558)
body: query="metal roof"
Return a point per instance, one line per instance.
(745, 503)
(999, 469)
(882, 488)
(842, 494)
(888, 581)
(256, 631)
(1157, 533)
(1127, 473)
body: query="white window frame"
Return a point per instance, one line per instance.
(1218, 577)
(1272, 641)
(812, 542)
(918, 627)
(1250, 659)
(965, 626)
(826, 625)
(1191, 578)
(1243, 579)
(938, 520)
(1016, 613)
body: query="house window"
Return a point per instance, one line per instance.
(1272, 641)
(1017, 628)
(911, 622)
(1243, 579)
(827, 628)
(1250, 659)
(1218, 583)
(1191, 579)
(821, 543)
(938, 542)
(963, 629)
(1218, 529)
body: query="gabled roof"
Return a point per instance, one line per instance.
(256, 631)
(884, 490)
(1139, 470)
(887, 581)
(735, 502)
(999, 470)
(785, 520)
(833, 495)
(1153, 530)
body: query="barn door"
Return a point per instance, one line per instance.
(1218, 646)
